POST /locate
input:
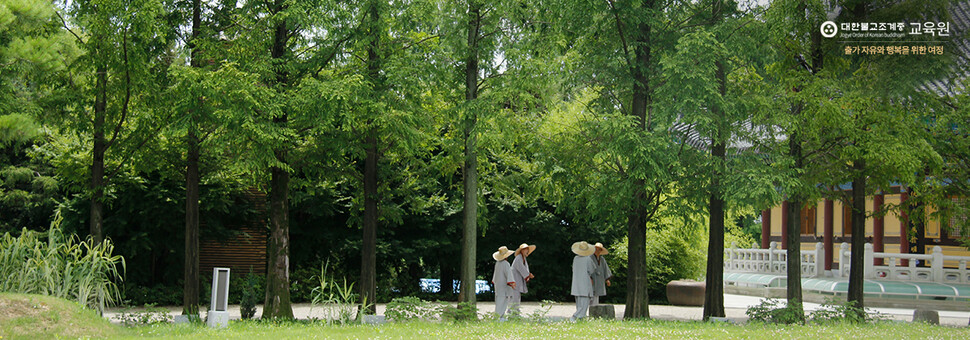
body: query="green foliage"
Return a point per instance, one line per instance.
(464, 312)
(17, 129)
(137, 295)
(30, 316)
(150, 315)
(339, 300)
(834, 311)
(776, 311)
(412, 308)
(61, 266)
(539, 315)
(249, 296)
(674, 251)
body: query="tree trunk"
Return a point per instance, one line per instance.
(277, 303)
(857, 269)
(637, 295)
(100, 148)
(368, 262)
(794, 247)
(368, 269)
(469, 238)
(190, 288)
(714, 291)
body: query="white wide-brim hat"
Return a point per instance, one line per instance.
(583, 248)
(502, 253)
(600, 246)
(532, 248)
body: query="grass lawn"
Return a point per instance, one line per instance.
(582, 330)
(27, 316)
(42, 317)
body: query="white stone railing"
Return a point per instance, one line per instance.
(893, 267)
(772, 260)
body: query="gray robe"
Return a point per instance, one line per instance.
(520, 271)
(600, 276)
(583, 268)
(501, 278)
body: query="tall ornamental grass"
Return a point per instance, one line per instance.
(60, 265)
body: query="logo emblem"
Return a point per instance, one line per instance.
(829, 29)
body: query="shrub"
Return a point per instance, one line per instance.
(339, 301)
(539, 315)
(61, 266)
(157, 294)
(833, 311)
(152, 315)
(463, 313)
(249, 297)
(673, 253)
(412, 308)
(776, 311)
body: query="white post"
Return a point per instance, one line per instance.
(218, 315)
(819, 259)
(937, 265)
(870, 269)
(963, 271)
(771, 256)
(843, 260)
(734, 256)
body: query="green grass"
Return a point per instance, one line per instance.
(582, 330)
(29, 316)
(41, 317)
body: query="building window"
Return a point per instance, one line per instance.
(809, 219)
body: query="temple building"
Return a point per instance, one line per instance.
(829, 222)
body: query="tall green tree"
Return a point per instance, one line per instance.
(121, 41)
(190, 290)
(841, 114)
(636, 155)
(35, 55)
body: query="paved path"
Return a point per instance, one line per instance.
(734, 308)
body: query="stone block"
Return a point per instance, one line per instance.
(602, 312)
(926, 315)
(181, 319)
(372, 319)
(217, 319)
(686, 293)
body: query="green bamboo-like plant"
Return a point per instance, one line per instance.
(338, 300)
(63, 266)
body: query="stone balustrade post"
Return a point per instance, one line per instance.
(843, 260)
(870, 269)
(819, 259)
(937, 264)
(771, 256)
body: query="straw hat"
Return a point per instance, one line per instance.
(582, 248)
(600, 246)
(532, 248)
(502, 253)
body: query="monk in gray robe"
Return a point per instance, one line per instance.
(521, 274)
(582, 285)
(602, 275)
(502, 279)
